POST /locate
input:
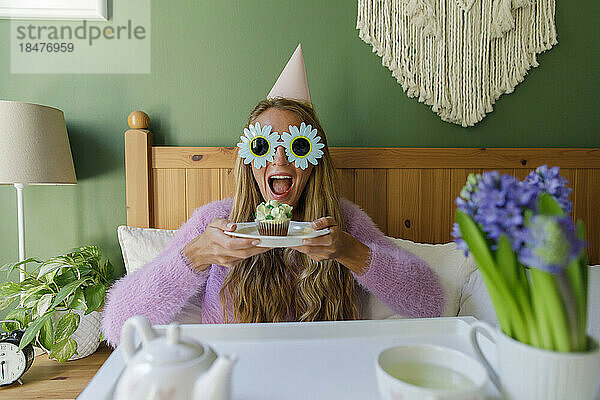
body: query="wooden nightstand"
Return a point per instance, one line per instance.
(49, 380)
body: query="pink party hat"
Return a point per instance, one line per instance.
(292, 82)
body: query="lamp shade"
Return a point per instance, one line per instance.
(34, 146)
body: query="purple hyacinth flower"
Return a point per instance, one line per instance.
(460, 243)
(549, 180)
(495, 202)
(550, 243)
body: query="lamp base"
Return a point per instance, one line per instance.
(21, 225)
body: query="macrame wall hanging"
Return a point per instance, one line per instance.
(458, 56)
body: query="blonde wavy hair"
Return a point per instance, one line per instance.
(284, 283)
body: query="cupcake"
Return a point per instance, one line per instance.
(273, 218)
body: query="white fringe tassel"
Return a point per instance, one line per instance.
(458, 56)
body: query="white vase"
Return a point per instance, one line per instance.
(529, 373)
(87, 335)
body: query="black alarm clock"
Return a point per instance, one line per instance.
(14, 362)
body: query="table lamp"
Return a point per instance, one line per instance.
(34, 150)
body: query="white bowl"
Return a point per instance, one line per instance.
(392, 388)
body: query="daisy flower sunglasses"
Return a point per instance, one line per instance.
(301, 144)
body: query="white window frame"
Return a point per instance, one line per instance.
(93, 10)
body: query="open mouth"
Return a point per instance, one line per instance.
(280, 185)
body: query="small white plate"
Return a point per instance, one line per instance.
(296, 233)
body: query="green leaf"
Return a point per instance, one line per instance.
(29, 283)
(475, 240)
(527, 214)
(504, 301)
(65, 278)
(49, 277)
(548, 206)
(85, 271)
(33, 329)
(48, 267)
(46, 336)
(17, 314)
(94, 296)
(78, 301)
(107, 272)
(11, 267)
(551, 303)
(33, 295)
(9, 288)
(6, 302)
(66, 291)
(39, 288)
(541, 316)
(63, 350)
(511, 271)
(67, 324)
(44, 303)
(507, 261)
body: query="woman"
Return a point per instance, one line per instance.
(235, 281)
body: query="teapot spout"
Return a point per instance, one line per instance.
(215, 384)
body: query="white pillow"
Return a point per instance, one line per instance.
(450, 265)
(141, 245)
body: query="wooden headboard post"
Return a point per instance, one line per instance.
(138, 170)
(408, 192)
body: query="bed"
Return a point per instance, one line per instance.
(408, 192)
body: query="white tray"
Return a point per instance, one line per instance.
(309, 360)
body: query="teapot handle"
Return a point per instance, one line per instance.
(145, 331)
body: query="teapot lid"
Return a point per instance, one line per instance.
(173, 348)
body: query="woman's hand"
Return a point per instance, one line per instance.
(215, 247)
(336, 245)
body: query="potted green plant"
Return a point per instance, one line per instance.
(58, 302)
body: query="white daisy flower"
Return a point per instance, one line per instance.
(302, 145)
(258, 145)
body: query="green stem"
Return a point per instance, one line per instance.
(27, 273)
(512, 309)
(501, 314)
(478, 247)
(543, 322)
(526, 307)
(56, 286)
(527, 301)
(574, 283)
(512, 271)
(552, 303)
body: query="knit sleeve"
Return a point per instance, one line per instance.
(160, 288)
(398, 278)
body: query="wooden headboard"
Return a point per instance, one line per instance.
(409, 192)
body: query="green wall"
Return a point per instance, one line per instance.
(212, 61)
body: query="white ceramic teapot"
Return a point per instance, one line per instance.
(171, 366)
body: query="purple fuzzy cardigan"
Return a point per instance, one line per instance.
(162, 288)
